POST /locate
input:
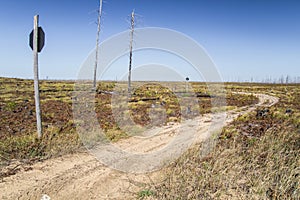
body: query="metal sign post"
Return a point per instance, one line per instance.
(36, 42)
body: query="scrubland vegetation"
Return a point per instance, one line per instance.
(256, 157)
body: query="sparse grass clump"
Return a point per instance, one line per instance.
(144, 194)
(29, 146)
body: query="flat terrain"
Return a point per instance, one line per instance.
(58, 166)
(82, 176)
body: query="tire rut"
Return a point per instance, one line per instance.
(82, 176)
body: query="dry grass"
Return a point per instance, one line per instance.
(247, 162)
(253, 159)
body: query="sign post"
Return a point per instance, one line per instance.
(186, 84)
(36, 42)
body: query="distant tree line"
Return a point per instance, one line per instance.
(281, 80)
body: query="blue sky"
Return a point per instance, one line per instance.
(245, 39)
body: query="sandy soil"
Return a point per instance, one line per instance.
(83, 176)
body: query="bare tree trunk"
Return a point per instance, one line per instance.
(97, 43)
(130, 55)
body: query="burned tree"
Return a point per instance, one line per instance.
(97, 42)
(130, 54)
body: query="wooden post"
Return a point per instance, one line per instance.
(97, 44)
(130, 55)
(36, 76)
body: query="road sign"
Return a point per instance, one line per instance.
(41, 39)
(36, 42)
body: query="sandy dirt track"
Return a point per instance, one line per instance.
(82, 176)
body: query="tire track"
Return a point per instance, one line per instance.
(82, 176)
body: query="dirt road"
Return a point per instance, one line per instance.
(82, 176)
